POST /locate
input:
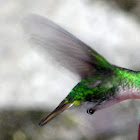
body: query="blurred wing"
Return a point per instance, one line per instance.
(66, 49)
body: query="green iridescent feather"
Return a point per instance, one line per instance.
(108, 85)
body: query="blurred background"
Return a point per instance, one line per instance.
(31, 86)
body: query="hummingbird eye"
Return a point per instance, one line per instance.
(90, 111)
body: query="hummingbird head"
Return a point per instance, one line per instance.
(61, 107)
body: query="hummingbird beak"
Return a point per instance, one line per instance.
(62, 106)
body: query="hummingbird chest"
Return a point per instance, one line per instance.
(101, 92)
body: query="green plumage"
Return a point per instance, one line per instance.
(102, 84)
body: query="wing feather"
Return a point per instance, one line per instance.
(65, 48)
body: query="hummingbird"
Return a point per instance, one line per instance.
(101, 84)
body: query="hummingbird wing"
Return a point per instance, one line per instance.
(65, 48)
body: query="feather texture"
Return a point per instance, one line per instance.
(65, 48)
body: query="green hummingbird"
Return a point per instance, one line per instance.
(101, 85)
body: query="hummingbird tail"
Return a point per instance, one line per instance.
(62, 107)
